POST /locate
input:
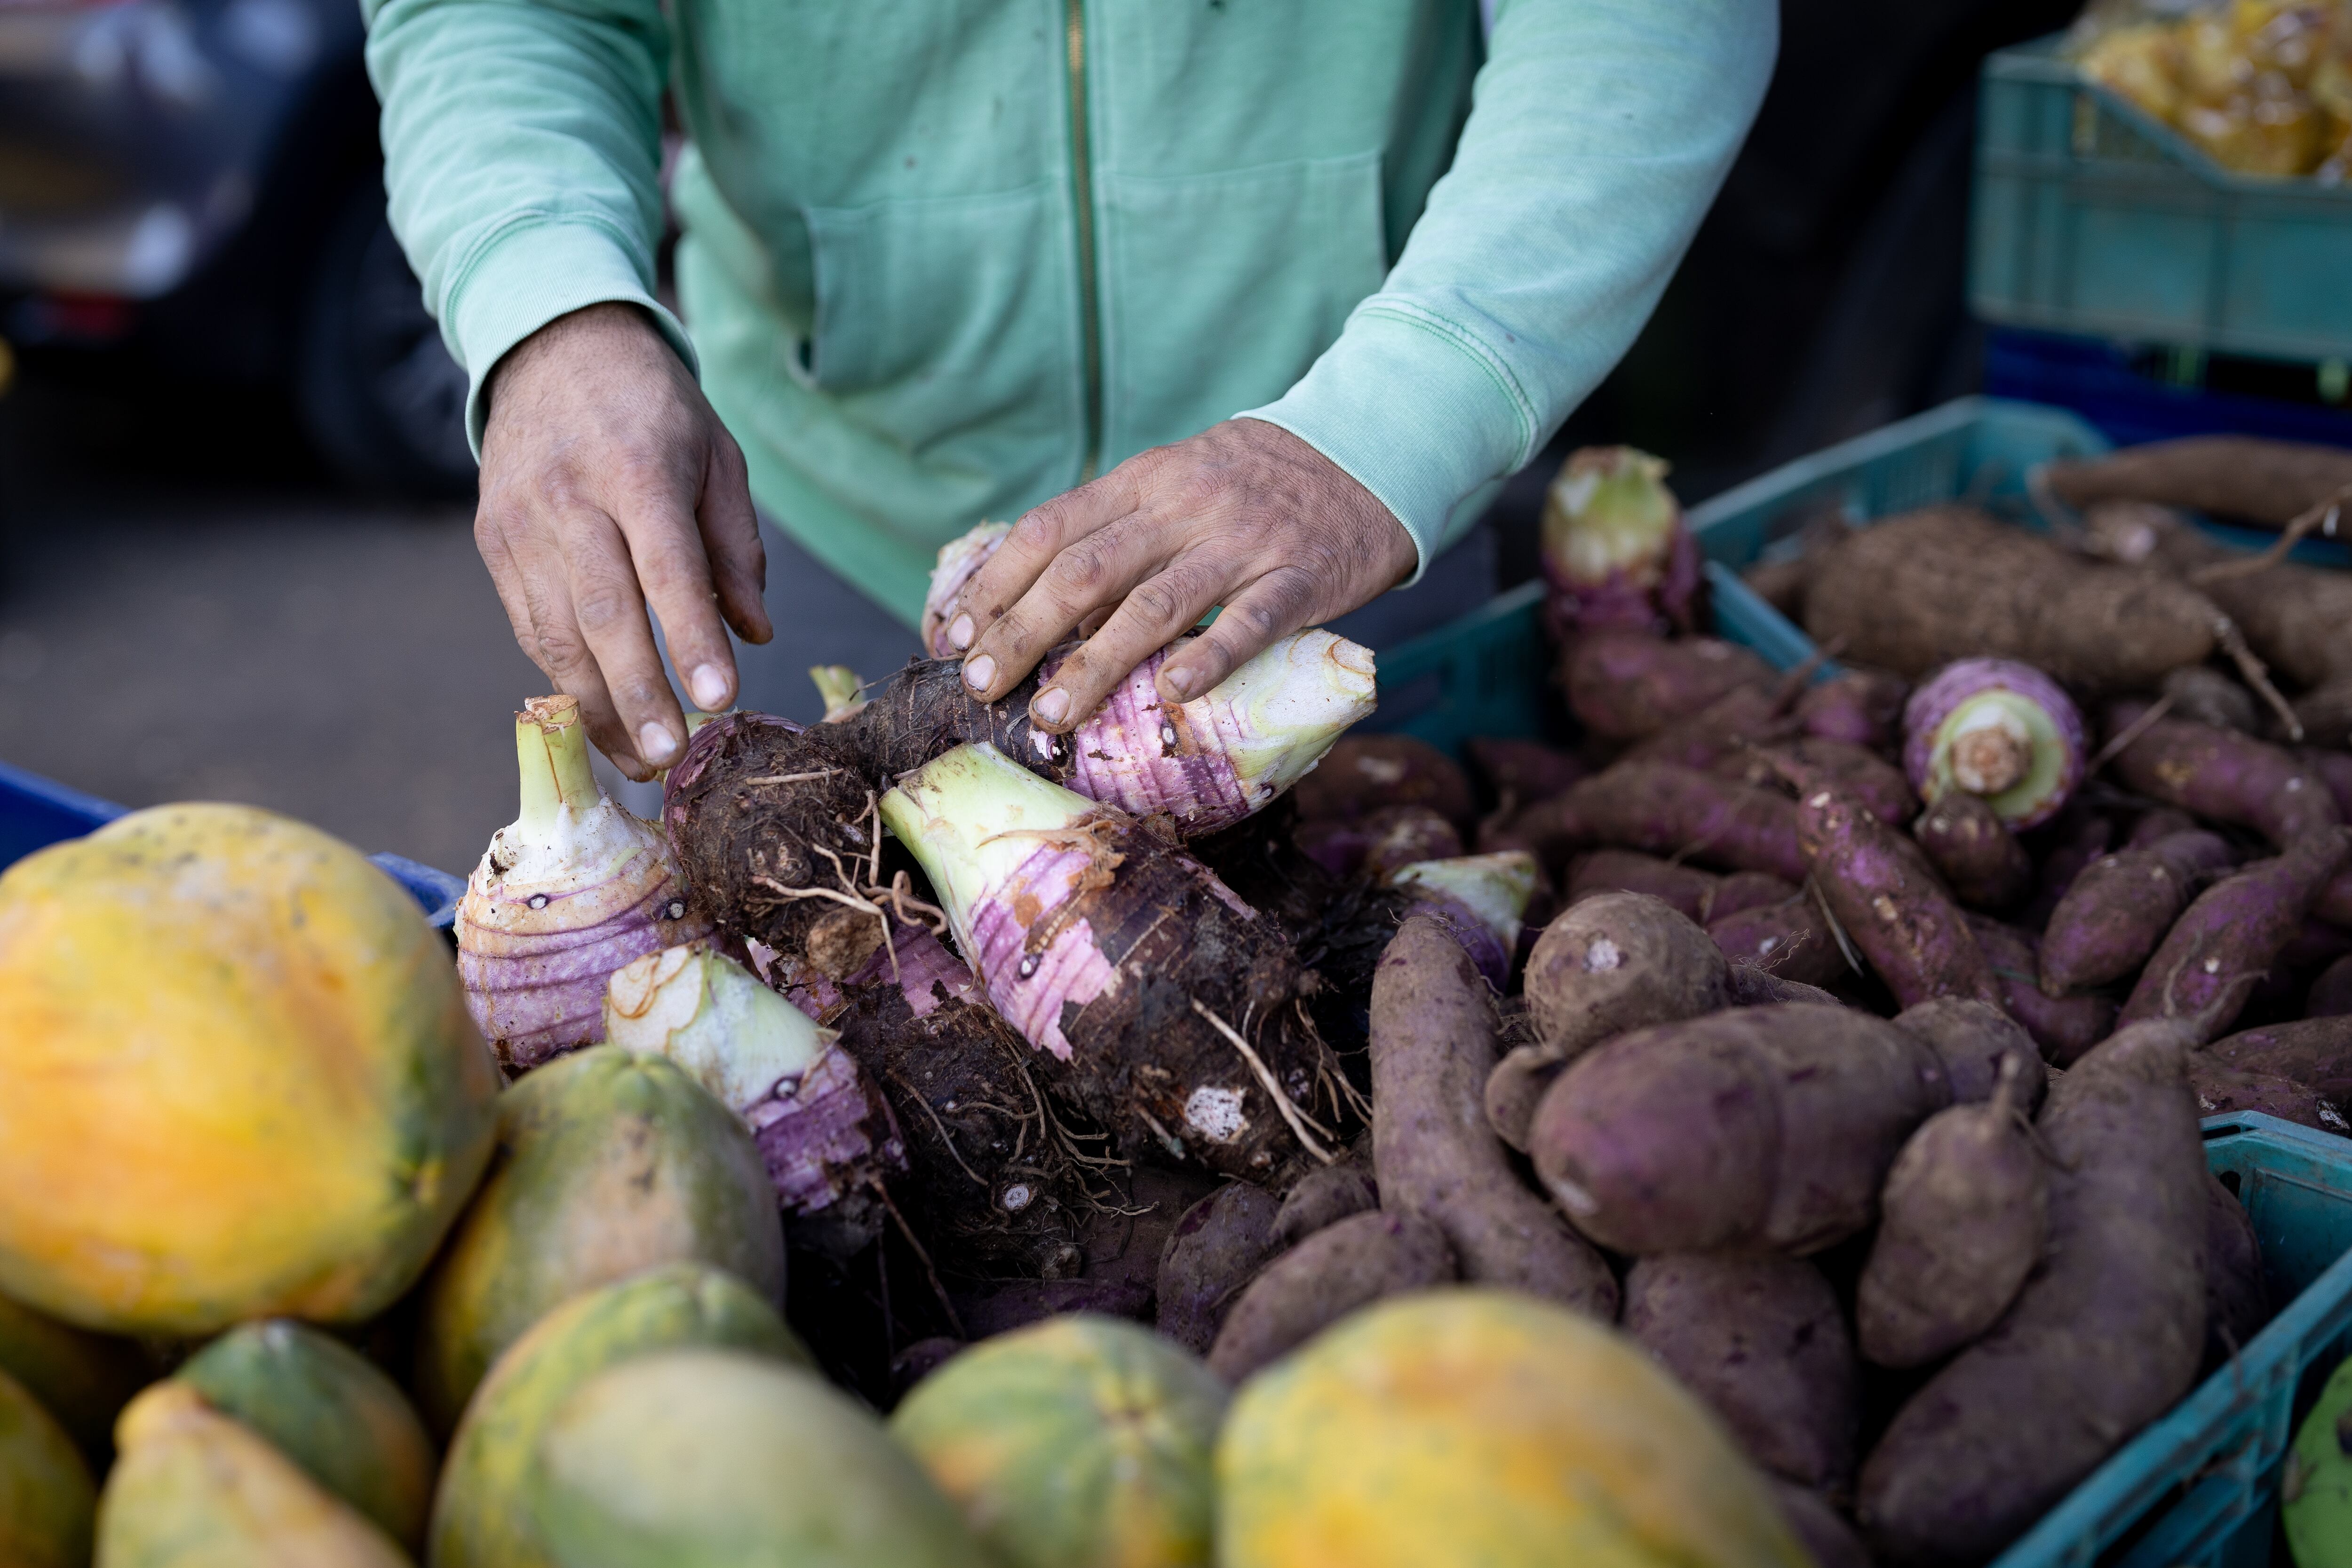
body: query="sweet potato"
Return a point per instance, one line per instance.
(1861, 707)
(2316, 1051)
(1763, 1341)
(1879, 886)
(2237, 1293)
(1001, 1308)
(1825, 1534)
(1686, 888)
(1744, 716)
(2235, 930)
(1332, 1273)
(1745, 890)
(1322, 1198)
(2102, 1339)
(2202, 694)
(1364, 773)
(2335, 770)
(1779, 583)
(1870, 779)
(1974, 851)
(1666, 811)
(1754, 987)
(1217, 1248)
(2250, 478)
(1922, 589)
(1789, 939)
(1434, 1153)
(1377, 842)
(2119, 909)
(2325, 712)
(2064, 845)
(2292, 615)
(2157, 823)
(2331, 994)
(1521, 772)
(1759, 1129)
(2221, 1090)
(1617, 961)
(1960, 1224)
(2063, 1027)
(1623, 684)
(1976, 1042)
(2220, 774)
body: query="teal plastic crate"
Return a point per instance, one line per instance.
(2092, 217)
(1488, 673)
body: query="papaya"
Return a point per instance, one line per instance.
(327, 1408)
(2315, 1483)
(608, 1163)
(46, 1495)
(242, 1082)
(1475, 1426)
(83, 1379)
(195, 1489)
(477, 1519)
(1079, 1441)
(713, 1458)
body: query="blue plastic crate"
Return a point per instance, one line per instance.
(2093, 217)
(35, 812)
(2095, 378)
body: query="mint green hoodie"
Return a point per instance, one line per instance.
(943, 260)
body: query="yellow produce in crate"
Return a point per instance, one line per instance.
(1486, 1427)
(2260, 85)
(236, 1077)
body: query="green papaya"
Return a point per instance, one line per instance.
(712, 1459)
(83, 1379)
(327, 1407)
(1080, 1440)
(608, 1163)
(46, 1495)
(2315, 1484)
(195, 1489)
(477, 1520)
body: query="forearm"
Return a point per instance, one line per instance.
(1600, 132)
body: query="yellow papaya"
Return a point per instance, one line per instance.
(712, 1459)
(1080, 1442)
(46, 1495)
(83, 1379)
(241, 1080)
(608, 1163)
(194, 1489)
(1474, 1425)
(478, 1520)
(327, 1408)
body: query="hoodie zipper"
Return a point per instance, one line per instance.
(1081, 176)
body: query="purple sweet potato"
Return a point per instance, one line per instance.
(1000, 1308)
(1878, 784)
(2331, 994)
(1217, 1248)
(1789, 939)
(2316, 1051)
(1521, 772)
(2064, 845)
(2120, 907)
(1976, 1042)
(1623, 684)
(2334, 901)
(1763, 1341)
(1365, 773)
(1861, 707)
(1960, 1225)
(2237, 1294)
(1434, 1153)
(1341, 1267)
(1759, 1129)
(2106, 1335)
(2157, 823)
(2220, 774)
(1666, 811)
(1615, 962)
(1754, 987)
(1744, 716)
(2063, 1027)
(1745, 890)
(2221, 1090)
(2235, 930)
(1322, 1198)
(1825, 1534)
(1973, 850)
(2203, 694)
(1689, 889)
(2335, 770)
(1399, 835)
(1880, 888)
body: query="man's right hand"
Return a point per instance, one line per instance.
(607, 482)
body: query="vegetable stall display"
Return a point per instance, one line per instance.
(1762, 1130)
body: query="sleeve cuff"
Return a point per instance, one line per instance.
(527, 276)
(1418, 412)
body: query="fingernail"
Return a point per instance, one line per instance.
(1181, 682)
(960, 633)
(709, 685)
(1051, 705)
(979, 672)
(655, 744)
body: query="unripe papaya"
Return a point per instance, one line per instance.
(194, 1489)
(1076, 1442)
(2316, 1485)
(83, 1379)
(1482, 1427)
(46, 1495)
(477, 1518)
(609, 1163)
(241, 1078)
(327, 1407)
(712, 1459)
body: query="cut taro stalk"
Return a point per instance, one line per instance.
(1481, 900)
(569, 891)
(1616, 551)
(1155, 999)
(1999, 730)
(820, 1124)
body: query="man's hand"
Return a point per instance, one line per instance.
(1244, 515)
(607, 482)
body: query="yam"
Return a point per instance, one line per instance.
(1321, 1199)
(1364, 773)
(2236, 929)
(2063, 1027)
(2316, 1051)
(2104, 1338)
(2118, 910)
(1764, 1341)
(1434, 1153)
(1342, 1267)
(1217, 1248)
(1789, 939)
(1974, 851)
(2292, 615)
(2203, 694)
(1976, 1042)
(2253, 478)
(1624, 685)
(2221, 1090)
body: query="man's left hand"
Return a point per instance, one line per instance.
(1244, 515)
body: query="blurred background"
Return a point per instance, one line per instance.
(235, 556)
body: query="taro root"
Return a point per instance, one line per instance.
(1481, 900)
(1999, 730)
(570, 891)
(1616, 549)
